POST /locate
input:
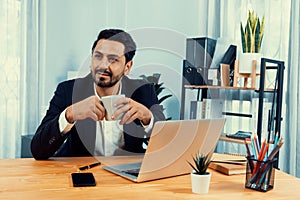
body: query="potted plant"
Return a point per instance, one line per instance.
(200, 177)
(154, 78)
(251, 37)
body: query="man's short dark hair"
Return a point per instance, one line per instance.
(119, 36)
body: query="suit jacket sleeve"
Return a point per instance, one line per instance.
(48, 139)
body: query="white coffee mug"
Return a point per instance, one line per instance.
(108, 102)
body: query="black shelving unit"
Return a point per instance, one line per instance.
(275, 93)
(275, 117)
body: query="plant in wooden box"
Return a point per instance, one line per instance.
(199, 176)
(251, 37)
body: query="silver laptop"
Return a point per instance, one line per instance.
(171, 146)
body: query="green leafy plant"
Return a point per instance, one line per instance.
(201, 163)
(154, 78)
(252, 34)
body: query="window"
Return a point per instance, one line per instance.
(9, 78)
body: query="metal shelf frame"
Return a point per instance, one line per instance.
(274, 116)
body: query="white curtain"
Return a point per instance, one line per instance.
(9, 78)
(18, 82)
(290, 157)
(29, 80)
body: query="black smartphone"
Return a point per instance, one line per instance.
(83, 179)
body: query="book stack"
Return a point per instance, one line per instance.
(206, 109)
(228, 164)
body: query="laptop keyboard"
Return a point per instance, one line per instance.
(134, 172)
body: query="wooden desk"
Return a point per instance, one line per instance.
(30, 179)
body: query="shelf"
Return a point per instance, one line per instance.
(265, 118)
(224, 87)
(227, 139)
(237, 114)
(266, 70)
(217, 87)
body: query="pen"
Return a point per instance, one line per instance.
(89, 166)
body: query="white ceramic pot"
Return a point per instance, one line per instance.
(200, 183)
(245, 62)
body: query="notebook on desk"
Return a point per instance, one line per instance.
(229, 164)
(171, 147)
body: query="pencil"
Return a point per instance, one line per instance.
(275, 150)
(276, 138)
(247, 140)
(260, 155)
(254, 147)
(257, 143)
(264, 156)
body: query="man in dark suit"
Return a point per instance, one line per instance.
(76, 121)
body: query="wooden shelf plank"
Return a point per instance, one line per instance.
(224, 87)
(217, 87)
(227, 139)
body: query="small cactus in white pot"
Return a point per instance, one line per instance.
(200, 177)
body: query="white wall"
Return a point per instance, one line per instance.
(160, 27)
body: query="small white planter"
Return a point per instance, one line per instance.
(200, 183)
(245, 62)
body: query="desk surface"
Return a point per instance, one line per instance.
(51, 179)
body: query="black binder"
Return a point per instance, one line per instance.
(199, 55)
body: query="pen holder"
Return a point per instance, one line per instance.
(260, 174)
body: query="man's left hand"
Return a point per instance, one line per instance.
(132, 110)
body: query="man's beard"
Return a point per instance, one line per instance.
(113, 80)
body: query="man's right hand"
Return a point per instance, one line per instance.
(90, 107)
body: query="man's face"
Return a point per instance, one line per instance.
(108, 63)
